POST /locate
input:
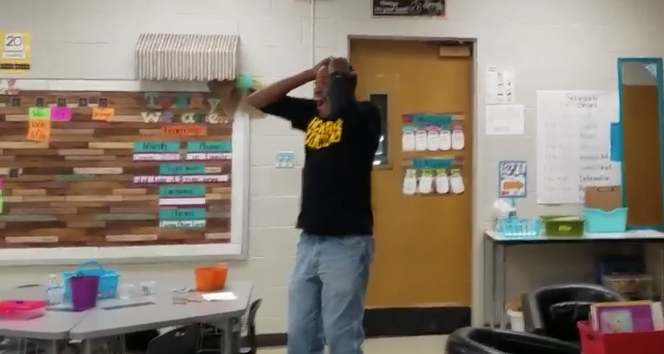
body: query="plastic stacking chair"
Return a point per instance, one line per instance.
(247, 344)
(182, 340)
(471, 340)
(553, 311)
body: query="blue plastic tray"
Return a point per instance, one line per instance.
(600, 221)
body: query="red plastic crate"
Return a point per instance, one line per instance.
(21, 309)
(593, 342)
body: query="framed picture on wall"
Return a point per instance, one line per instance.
(409, 8)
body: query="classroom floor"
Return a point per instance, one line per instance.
(403, 345)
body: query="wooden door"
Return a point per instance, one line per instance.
(423, 243)
(642, 179)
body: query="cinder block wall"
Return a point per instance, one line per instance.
(552, 44)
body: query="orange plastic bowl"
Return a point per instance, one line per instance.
(211, 278)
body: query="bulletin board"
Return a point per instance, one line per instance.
(103, 169)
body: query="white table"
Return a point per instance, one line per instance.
(46, 331)
(497, 251)
(131, 315)
(158, 311)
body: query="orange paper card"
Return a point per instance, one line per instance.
(184, 129)
(105, 114)
(39, 130)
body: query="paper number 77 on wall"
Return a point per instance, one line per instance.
(512, 168)
(512, 179)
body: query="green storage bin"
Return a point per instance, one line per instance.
(563, 225)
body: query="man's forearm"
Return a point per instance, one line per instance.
(279, 89)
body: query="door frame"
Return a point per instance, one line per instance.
(478, 259)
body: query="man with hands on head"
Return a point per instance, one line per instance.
(328, 285)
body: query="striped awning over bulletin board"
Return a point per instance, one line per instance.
(187, 57)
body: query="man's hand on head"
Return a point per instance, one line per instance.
(321, 64)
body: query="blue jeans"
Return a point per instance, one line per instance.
(326, 294)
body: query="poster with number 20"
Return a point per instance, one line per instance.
(15, 55)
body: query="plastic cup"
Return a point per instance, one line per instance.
(147, 287)
(126, 291)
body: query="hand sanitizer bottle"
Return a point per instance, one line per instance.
(53, 290)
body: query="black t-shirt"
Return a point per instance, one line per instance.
(339, 155)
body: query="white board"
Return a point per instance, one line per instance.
(573, 144)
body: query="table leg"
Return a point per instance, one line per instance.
(494, 281)
(87, 346)
(503, 287)
(226, 344)
(51, 347)
(661, 273)
(485, 281)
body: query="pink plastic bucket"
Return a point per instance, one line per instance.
(84, 289)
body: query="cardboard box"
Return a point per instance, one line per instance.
(605, 198)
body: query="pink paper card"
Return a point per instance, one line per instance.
(60, 114)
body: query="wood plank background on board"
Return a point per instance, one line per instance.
(78, 189)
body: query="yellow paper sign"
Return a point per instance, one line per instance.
(15, 52)
(39, 130)
(105, 114)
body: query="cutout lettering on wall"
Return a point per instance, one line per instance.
(151, 117)
(192, 118)
(196, 102)
(167, 116)
(165, 102)
(181, 101)
(214, 103)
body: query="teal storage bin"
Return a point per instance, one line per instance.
(519, 228)
(600, 221)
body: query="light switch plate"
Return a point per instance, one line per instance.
(284, 159)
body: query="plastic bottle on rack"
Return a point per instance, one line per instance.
(54, 290)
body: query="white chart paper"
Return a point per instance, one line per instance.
(505, 120)
(499, 85)
(573, 144)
